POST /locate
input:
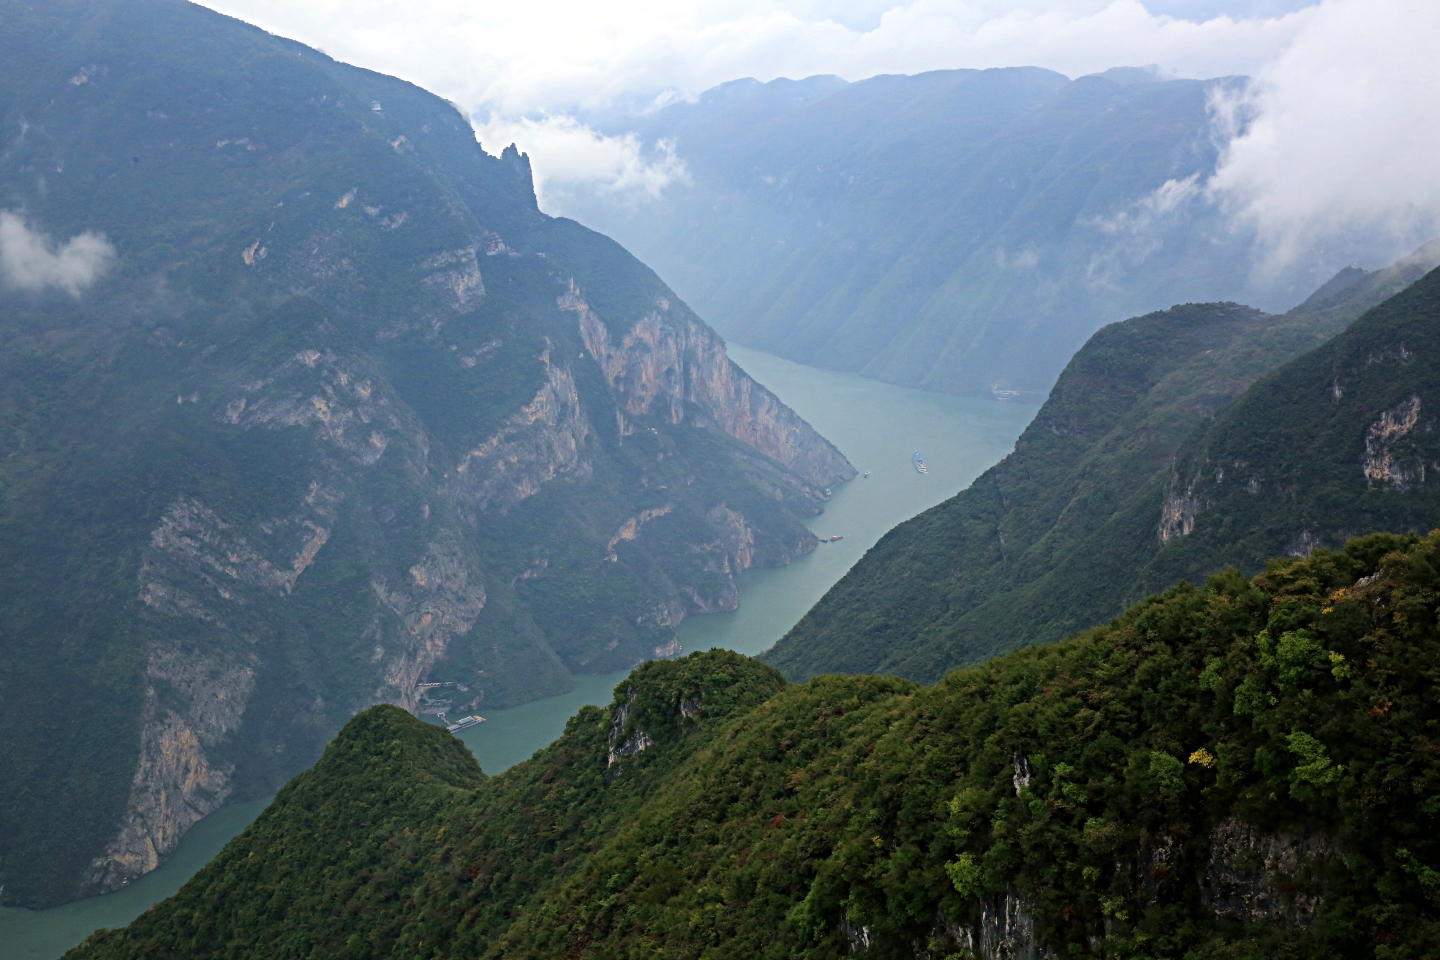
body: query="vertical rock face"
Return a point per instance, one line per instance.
(191, 703)
(1383, 466)
(1177, 514)
(1005, 931)
(667, 361)
(1254, 875)
(436, 603)
(540, 441)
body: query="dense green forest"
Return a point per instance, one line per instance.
(1245, 769)
(1067, 530)
(346, 420)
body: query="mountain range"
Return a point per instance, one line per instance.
(960, 230)
(305, 406)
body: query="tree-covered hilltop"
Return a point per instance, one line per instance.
(395, 838)
(1242, 770)
(1067, 530)
(346, 420)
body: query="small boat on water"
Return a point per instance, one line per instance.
(919, 463)
(867, 475)
(464, 722)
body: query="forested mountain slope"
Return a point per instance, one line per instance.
(1057, 536)
(1340, 440)
(959, 230)
(1246, 770)
(305, 406)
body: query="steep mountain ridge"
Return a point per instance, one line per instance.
(1336, 440)
(1062, 534)
(1244, 770)
(322, 428)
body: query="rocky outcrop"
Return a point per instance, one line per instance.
(1256, 875)
(192, 701)
(542, 440)
(438, 601)
(457, 275)
(736, 537)
(1383, 464)
(319, 390)
(672, 366)
(1004, 931)
(194, 538)
(631, 527)
(621, 745)
(1177, 513)
(1303, 544)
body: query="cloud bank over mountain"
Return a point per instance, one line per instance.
(558, 56)
(1341, 149)
(526, 71)
(1337, 145)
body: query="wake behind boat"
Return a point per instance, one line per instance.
(919, 463)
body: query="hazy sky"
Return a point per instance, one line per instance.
(1347, 91)
(554, 55)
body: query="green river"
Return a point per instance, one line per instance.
(878, 427)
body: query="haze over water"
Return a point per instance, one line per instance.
(876, 425)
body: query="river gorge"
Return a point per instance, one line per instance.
(876, 425)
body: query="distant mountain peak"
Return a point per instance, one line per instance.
(1130, 76)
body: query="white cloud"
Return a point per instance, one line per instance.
(1342, 153)
(1137, 231)
(29, 260)
(552, 56)
(575, 157)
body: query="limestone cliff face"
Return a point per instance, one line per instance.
(1177, 513)
(1385, 464)
(1004, 931)
(191, 539)
(1254, 875)
(321, 390)
(192, 701)
(542, 440)
(672, 366)
(438, 602)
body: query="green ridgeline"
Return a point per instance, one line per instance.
(1064, 532)
(1243, 770)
